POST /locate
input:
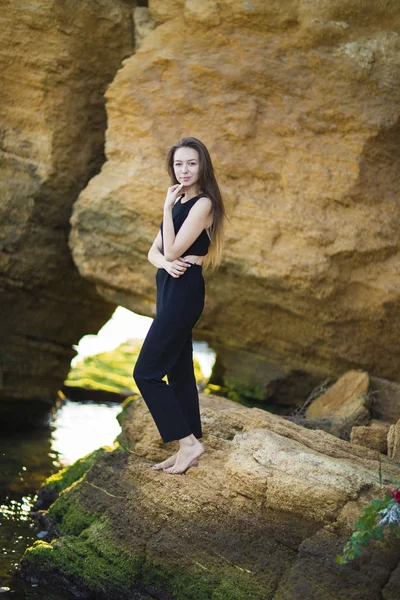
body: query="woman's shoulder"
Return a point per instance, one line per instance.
(203, 209)
(204, 202)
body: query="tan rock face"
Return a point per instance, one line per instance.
(373, 436)
(56, 60)
(345, 400)
(298, 104)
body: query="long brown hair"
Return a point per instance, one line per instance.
(209, 186)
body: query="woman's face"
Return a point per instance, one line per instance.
(186, 166)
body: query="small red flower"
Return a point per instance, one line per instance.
(395, 494)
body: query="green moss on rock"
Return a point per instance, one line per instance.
(121, 416)
(69, 515)
(225, 392)
(229, 589)
(94, 562)
(91, 561)
(246, 389)
(112, 371)
(63, 479)
(88, 558)
(202, 583)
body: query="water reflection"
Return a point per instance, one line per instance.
(17, 509)
(27, 459)
(79, 428)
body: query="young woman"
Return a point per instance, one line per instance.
(191, 234)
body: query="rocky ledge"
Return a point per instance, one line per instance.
(261, 518)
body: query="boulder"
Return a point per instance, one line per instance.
(298, 104)
(346, 402)
(372, 436)
(261, 518)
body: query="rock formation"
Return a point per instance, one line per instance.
(298, 104)
(347, 407)
(56, 59)
(374, 435)
(261, 518)
(347, 399)
(394, 442)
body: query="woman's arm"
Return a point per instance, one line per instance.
(155, 255)
(199, 218)
(175, 268)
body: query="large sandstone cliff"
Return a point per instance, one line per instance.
(298, 102)
(56, 59)
(299, 105)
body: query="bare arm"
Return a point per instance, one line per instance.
(155, 255)
(199, 218)
(175, 268)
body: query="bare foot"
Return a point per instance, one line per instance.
(169, 462)
(187, 455)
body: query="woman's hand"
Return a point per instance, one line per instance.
(177, 267)
(172, 194)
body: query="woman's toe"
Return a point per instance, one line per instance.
(170, 470)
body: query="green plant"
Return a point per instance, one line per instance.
(377, 518)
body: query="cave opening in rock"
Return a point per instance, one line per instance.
(103, 365)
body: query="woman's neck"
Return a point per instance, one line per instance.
(190, 192)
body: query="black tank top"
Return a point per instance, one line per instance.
(179, 213)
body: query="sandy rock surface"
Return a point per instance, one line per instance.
(298, 103)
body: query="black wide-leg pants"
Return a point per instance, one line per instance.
(167, 350)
